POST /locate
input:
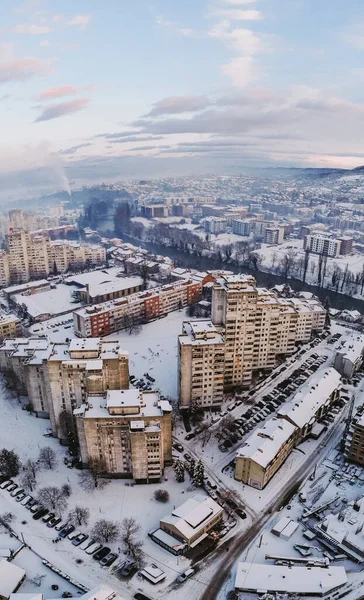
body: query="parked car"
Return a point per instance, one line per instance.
(53, 522)
(101, 553)
(140, 596)
(10, 488)
(20, 497)
(6, 484)
(178, 447)
(48, 517)
(61, 526)
(108, 560)
(79, 539)
(66, 531)
(185, 575)
(128, 568)
(190, 436)
(95, 547)
(40, 513)
(26, 501)
(36, 506)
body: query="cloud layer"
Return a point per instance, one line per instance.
(63, 108)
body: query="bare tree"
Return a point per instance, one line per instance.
(225, 427)
(28, 481)
(105, 531)
(6, 519)
(161, 495)
(53, 498)
(129, 538)
(66, 490)
(205, 433)
(79, 516)
(47, 458)
(30, 466)
(92, 478)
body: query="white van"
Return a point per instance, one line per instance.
(86, 544)
(26, 500)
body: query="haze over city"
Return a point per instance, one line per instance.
(115, 90)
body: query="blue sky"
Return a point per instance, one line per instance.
(213, 83)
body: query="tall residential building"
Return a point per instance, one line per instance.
(18, 244)
(215, 225)
(129, 430)
(4, 269)
(254, 326)
(201, 364)
(319, 244)
(38, 256)
(274, 235)
(10, 326)
(60, 377)
(241, 227)
(346, 244)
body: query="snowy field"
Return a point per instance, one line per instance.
(154, 351)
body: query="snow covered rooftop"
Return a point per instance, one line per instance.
(292, 580)
(123, 398)
(192, 515)
(118, 403)
(200, 331)
(352, 347)
(263, 445)
(10, 318)
(10, 578)
(305, 404)
(84, 344)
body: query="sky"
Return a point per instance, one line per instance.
(93, 91)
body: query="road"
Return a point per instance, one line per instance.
(243, 539)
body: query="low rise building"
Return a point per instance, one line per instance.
(11, 578)
(303, 581)
(192, 522)
(150, 211)
(307, 407)
(103, 286)
(129, 431)
(349, 358)
(103, 319)
(264, 452)
(10, 326)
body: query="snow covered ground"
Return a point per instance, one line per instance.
(272, 257)
(154, 351)
(24, 433)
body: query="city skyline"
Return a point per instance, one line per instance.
(132, 90)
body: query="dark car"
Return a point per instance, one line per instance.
(40, 513)
(178, 447)
(241, 513)
(108, 560)
(66, 531)
(139, 596)
(101, 553)
(190, 436)
(127, 569)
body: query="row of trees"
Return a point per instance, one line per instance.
(196, 470)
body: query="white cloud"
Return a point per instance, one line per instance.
(57, 18)
(81, 20)
(31, 29)
(241, 70)
(45, 43)
(164, 22)
(236, 14)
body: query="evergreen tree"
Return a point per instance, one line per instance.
(55, 270)
(190, 466)
(179, 469)
(198, 473)
(326, 305)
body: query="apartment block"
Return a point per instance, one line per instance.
(38, 256)
(241, 227)
(354, 439)
(129, 430)
(310, 405)
(215, 225)
(60, 377)
(151, 211)
(201, 364)
(346, 244)
(4, 269)
(255, 326)
(103, 319)
(10, 326)
(264, 452)
(274, 235)
(350, 356)
(319, 244)
(18, 244)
